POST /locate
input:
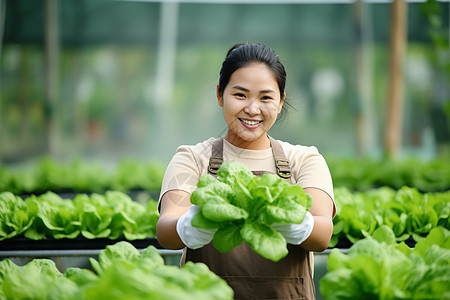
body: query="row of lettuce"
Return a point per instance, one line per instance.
(409, 213)
(121, 272)
(112, 215)
(375, 267)
(80, 175)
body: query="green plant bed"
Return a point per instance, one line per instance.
(344, 243)
(21, 243)
(112, 216)
(409, 213)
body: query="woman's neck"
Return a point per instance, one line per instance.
(260, 143)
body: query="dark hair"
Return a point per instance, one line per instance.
(241, 55)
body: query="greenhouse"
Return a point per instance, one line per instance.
(106, 104)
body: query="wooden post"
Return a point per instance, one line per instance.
(394, 115)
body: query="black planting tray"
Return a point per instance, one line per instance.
(70, 244)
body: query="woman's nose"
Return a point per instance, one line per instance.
(252, 107)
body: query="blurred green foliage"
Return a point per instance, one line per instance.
(362, 174)
(107, 105)
(79, 175)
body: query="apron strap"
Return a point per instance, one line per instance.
(216, 159)
(281, 163)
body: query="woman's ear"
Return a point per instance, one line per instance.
(219, 97)
(281, 102)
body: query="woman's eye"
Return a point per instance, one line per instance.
(239, 95)
(266, 98)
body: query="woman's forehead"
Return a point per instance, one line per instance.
(256, 74)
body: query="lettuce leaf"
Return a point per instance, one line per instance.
(220, 210)
(227, 238)
(264, 240)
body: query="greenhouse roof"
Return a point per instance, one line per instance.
(274, 1)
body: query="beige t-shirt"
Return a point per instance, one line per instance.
(308, 167)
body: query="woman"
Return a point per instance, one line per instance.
(251, 94)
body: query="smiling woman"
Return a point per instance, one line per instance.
(251, 94)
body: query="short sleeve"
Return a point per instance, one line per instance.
(313, 172)
(182, 173)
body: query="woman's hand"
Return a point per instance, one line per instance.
(174, 229)
(191, 236)
(296, 233)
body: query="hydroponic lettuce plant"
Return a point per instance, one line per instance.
(243, 207)
(14, 216)
(379, 268)
(121, 272)
(112, 215)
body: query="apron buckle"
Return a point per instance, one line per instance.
(214, 164)
(283, 168)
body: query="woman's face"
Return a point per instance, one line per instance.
(251, 102)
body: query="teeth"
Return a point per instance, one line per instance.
(250, 122)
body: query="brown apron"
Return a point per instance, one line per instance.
(250, 275)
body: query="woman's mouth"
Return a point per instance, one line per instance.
(250, 123)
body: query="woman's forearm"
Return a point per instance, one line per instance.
(166, 232)
(173, 204)
(320, 236)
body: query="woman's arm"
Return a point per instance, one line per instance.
(174, 204)
(322, 210)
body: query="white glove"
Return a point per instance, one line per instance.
(191, 236)
(296, 233)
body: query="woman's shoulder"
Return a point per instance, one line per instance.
(301, 156)
(297, 149)
(202, 148)
(200, 145)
